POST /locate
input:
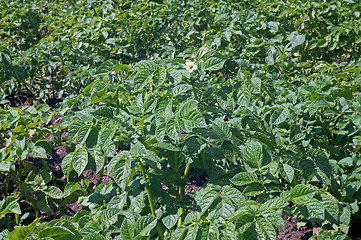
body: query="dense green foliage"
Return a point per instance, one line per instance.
(271, 117)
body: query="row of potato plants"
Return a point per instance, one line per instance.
(271, 115)
(266, 152)
(50, 48)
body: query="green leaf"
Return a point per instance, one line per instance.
(144, 225)
(205, 197)
(181, 88)
(70, 188)
(9, 205)
(173, 129)
(58, 233)
(145, 65)
(110, 216)
(345, 216)
(122, 173)
(247, 231)
(160, 132)
(103, 114)
(332, 211)
(176, 75)
(170, 220)
(162, 74)
(122, 68)
(142, 78)
(275, 203)
(4, 234)
(244, 178)
(138, 150)
(296, 39)
(66, 164)
(43, 205)
(256, 85)
(24, 232)
(214, 64)
(127, 230)
(254, 156)
(323, 169)
(279, 116)
(244, 218)
(301, 194)
(106, 67)
(137, 203)
(96, 160)
(221, 129)
(43, 177)
(214, 162)
(74, 129)
(227, 35)
(54, 192)
(95, 236)
(265, 230)
(313, 210)
(253, 189)
(329, 235)
(205, 232)
(190, 117)
(206, 52)
(192, 232)
(275, 218)
(38, 152)
(166, 146)
(233, 194)
(83, 133)
(179, 233)
(80, 160)
(307, 166)
(152, 159)
(192, 147)
(287, 172)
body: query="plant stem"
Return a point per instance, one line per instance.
(7, 185)
(159, 227)
(150, 201)
(31, 200)
(17, 219)
(176, 159)
(46, 166)
(33, 203)
(100, 178)
(19, 170)
(182, 191)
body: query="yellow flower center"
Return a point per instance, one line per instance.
(190, 66)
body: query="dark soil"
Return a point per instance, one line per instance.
(19, 100)
(293, 233)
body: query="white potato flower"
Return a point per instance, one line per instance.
(190, 66)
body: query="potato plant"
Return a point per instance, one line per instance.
(259, 99)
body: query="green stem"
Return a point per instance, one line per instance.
(46, 166)
(150, 201)
(101, 174)
(182, 192)
(7, 185)
(195, 94)
(159, 227)
(19, 170)
(33, 203)
(176, 159)
(17, 219)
